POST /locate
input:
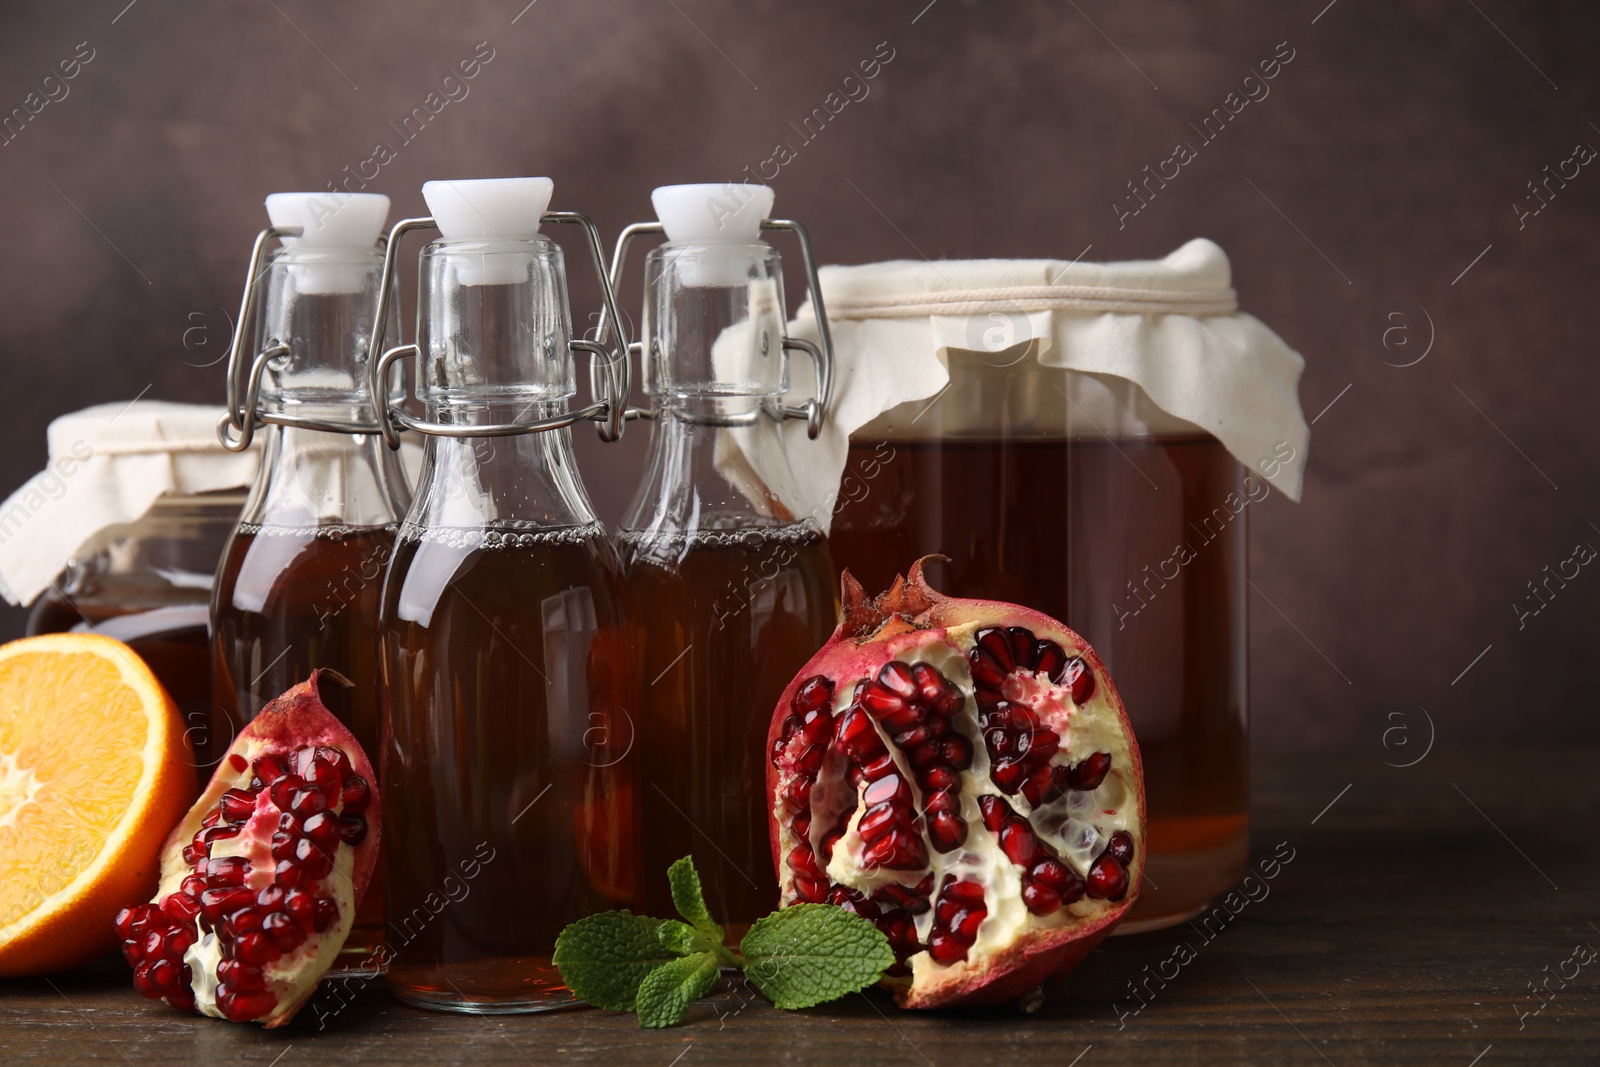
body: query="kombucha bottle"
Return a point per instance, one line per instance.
(729, 590)
(300, 578)
(507, 762)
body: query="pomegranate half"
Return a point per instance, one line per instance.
(260, 881)
(963, 774)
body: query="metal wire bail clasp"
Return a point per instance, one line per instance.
(243, 413)
(609, 378)
(815, 410)
(244, 393)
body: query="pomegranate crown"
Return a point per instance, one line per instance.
(898, 610)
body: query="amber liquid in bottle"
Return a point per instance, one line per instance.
(510, 680)
(303, 597)
(724, 619)
(1090, 532)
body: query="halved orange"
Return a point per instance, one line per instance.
(95, 770)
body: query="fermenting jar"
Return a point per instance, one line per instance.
(1070, 460)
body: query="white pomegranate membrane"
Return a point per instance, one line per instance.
(261, 880)
(971, 788)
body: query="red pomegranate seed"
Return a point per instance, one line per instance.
(335, 757)
(817, 727)
(890, 789)
(322, 774)
(283, 845)
(288, 873)
(810, 890)
(302, 905)
(897, 850)
(879, 766)
(124, 921)
(308, 802)
(283, 790)
(944, 947)
(986, 673)
(997, 644)
(898, 677)
(245, 1005)
(192, 886)
(886, 705)
(284, 931)
(1108, 879)
(243, 921)
(215, 903)
(236, 805)
(164, 977)
(815, 694)
(181, 908)
(238, 975)
(355, 795)
(1120, 847)
(1022, 647)
(229, 871)
(1079, 680)
(213, 817)
(965, 927)
(314, 861)
(323, 829)
(237, 762)
(1049, 659)
(326, 915)
(946, 831)
(180, 940)
(255, 947)
(1018, 842)
(809, 762)
(1039, 898)
(1089, 772)
(957, 752)
(270, 768)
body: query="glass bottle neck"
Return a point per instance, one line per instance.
(699, 478)
(517, 482)
(311, 479)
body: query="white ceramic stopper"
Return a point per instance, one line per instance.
(492, 209)
(712, 214)
(330, 222)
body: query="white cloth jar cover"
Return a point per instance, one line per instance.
(107, 465)
(1171, 326)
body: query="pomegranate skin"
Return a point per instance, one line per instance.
(873, 632)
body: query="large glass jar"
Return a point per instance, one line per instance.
(1074, 494)
(148, 583)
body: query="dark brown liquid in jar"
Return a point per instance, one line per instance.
(510, 684)
(1136, 543)
(723, 620)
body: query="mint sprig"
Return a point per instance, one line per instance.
(797, 957)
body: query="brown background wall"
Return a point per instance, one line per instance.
(1386, 158)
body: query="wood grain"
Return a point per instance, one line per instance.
(1406, 928)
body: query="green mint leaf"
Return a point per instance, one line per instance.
(688, 899)
(666, 992)
(678, 937)
(603, 958)
(808, 954)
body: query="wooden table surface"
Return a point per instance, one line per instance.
(1420, 908)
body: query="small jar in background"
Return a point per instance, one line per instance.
(147, 583)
